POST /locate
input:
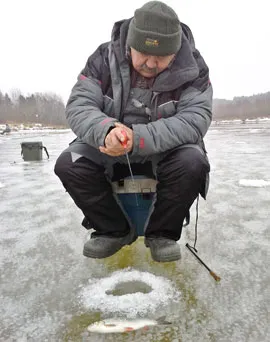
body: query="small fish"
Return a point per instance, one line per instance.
(110, 326)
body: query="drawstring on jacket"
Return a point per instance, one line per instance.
(155, 100)
(196, 225)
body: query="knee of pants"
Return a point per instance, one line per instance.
(62, 165)
(188, 162)
(194, 162)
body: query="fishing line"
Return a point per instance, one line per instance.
(193, 249)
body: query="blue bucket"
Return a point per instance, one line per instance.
(136, 198)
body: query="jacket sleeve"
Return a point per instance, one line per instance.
(190, 123)
(84, 107)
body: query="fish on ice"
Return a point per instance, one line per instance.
(109, 326)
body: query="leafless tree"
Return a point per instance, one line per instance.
(45, 108)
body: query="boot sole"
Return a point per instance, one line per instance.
(95, 255)
(170, 258)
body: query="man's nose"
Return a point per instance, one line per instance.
(151, 62)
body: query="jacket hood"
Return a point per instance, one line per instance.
(183, 69)
(119, 38)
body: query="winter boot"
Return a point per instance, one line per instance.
(103, 246)
(163, 249)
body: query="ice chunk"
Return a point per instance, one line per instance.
(256, 183)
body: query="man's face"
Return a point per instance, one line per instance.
(149, 66)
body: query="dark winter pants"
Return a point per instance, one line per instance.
(181, 177)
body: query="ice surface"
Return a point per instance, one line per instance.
(44, 278)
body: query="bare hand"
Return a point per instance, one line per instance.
(114, 140)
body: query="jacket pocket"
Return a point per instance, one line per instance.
(167, 109)
(108, 105)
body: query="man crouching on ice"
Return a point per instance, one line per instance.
(152, 82)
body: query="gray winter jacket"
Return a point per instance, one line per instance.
(181, 106)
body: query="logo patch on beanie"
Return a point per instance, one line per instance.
(151, 42)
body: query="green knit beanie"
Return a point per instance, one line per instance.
(155, 30)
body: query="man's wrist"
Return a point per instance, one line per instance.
(109, 130)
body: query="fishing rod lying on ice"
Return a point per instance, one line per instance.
(213, 274)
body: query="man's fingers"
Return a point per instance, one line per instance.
(122, 133)
(120, 136)
(112, 140)
(110, 152)
(115, 141)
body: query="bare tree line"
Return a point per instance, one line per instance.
(44, 108)
(49, 109)
(244, 107)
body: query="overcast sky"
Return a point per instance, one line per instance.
(46, 43)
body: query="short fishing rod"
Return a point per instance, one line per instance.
(213, 274)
